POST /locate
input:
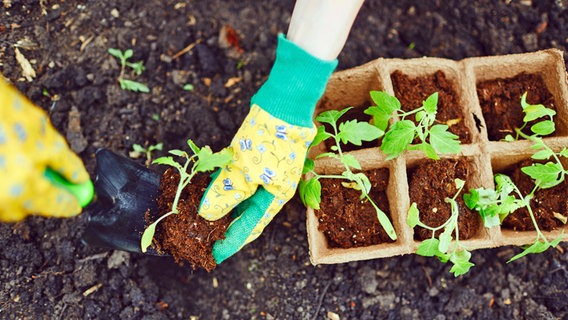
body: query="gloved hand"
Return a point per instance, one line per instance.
(269, 148)
(32, 155)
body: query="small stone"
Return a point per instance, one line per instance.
(114, 12)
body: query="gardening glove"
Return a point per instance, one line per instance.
(269, 148)
(34, 158)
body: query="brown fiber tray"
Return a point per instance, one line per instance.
(351, 88)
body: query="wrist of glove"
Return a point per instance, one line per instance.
(269, 148)
(30, 147)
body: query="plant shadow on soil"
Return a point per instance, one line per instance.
(48, 273)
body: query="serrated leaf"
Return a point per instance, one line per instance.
(545, 175)
(385, 101)
(536, 247)
(321, 136)
(413, 217)
(543, 154)
(461, 263)
(351, 161)
(444, 141)
(309, 165)
(209, 161)
(126, 84)
(429, 248)
(543, 128)
(431, 103)
(355, 132)
(167, 161)
(331, 116)
(398, 138)
(535, 111)
(427, 149)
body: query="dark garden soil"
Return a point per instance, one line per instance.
(48, 273)
(185, 235)
(411, 92)
(430, 183)
(544, 203)
(500, 101)
(348, 221)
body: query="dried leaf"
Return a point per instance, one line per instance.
(560, 217)
(28, 71)
(232, 81)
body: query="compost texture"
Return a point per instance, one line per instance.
(48, 273)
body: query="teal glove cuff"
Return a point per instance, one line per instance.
(295, 84)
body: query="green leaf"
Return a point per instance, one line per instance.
(535, 111)
(310, 193)
(545, 175)
(167, 161)
(179, 153)
(431, 103)
(351, 161)
(209, 161)
(355, 132)
(398, 138)
(461, 263)
(446, 238)
(194, 148)
(459, 183)
(363, 182)
(385, 101)
(385, 222)
(543, 128)
(158, 146)
(327, 154)
(536, 247)
(126, 84)
(116, 53)
(147, 236)
(444, 141)
(509, 138)
(188, 87)
(138, 148)
(543, 154)
(331, 116)
(427, 149)
(564, 153)
(138, 67)
(128, 54)
(309, 165)
(321, 136)
(413, 217)
(429, 248)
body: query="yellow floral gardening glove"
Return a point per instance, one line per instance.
(35, 163)
(269, 148)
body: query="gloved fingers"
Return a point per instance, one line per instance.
(36, 197)
(256, 213)
(60, 158)
(227, 189)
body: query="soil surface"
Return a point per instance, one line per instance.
(429, 184)
(411, 92)
(500, 102)
(46, 271)
(348, 221)
(544, 203)
(185, 235)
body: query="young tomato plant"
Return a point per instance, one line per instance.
(138, 150)
(202, 160)
(495, 205)
(434, 138)
(351, 131)
(137, 67)
(442, 247)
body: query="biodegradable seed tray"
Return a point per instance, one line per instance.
(485, 157)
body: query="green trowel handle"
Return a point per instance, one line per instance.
(83, 192)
